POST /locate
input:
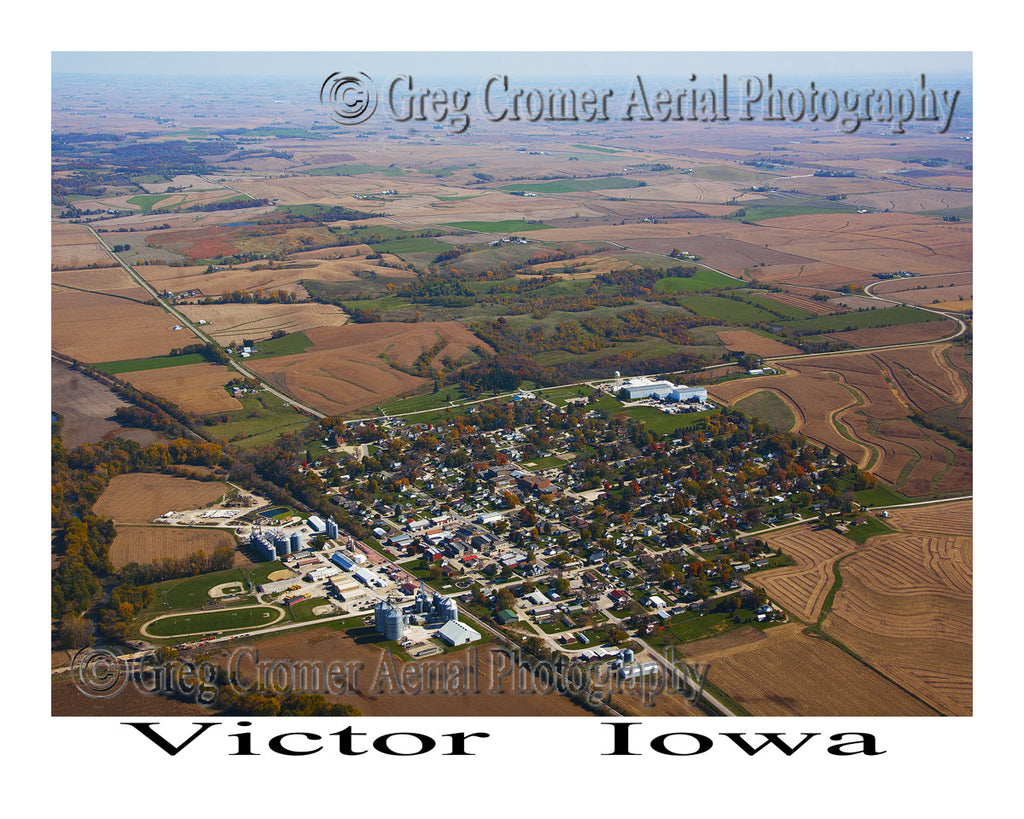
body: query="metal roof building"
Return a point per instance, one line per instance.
(456, 633)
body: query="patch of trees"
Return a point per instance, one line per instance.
(318, 214)
(642, 282)
(954, 435)
(227, 204)
(258, 296)
(169, 568)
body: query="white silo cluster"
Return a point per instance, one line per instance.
(332, 529)
(388, 620)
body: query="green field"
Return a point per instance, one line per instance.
(768, 407)
(596, 148)
(881, 495)
(505, 226)
(759, 213)
(728, 310)
(146, 201)
(731, 173)
(178, 625)
(600, 183)
(160, 362)
(262, 419)
(885, 317)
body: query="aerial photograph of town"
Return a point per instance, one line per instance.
(511, 385)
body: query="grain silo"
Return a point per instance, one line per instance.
(296, 542)
(388, 620)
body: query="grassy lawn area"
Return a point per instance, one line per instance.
(872, 527)
(880, 496)
(220, 620)
(289, 344)
(559, 395)
(160, 362)
(303, 612)
(684, 628)
(504, 226)
(191, 592)
(662, 422)
(544, 463)
(769, 408)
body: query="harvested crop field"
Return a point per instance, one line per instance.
(898, 334)
(818, 308)
(67, 701)
(96, 280)
(788, 673)
(345, 369)
(801, 589)
(750, 342)
(87, 408)
(235, 322)
(860, 404)
(73, 247)
(140, 497)
(144, 544)
(375, 697)
(905, 605)
(95, 327)
(197, 388)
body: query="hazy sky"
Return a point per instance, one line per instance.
(527, 64)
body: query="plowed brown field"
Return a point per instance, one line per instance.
(144, 544)
(801, 589)
(139, 497)
(235, 322)
(789, 673)
(197, 388)
(346, 368)
(905, 605)
(860, 403)
(749, 342)
(94, 327)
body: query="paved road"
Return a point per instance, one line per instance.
(194, 329)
